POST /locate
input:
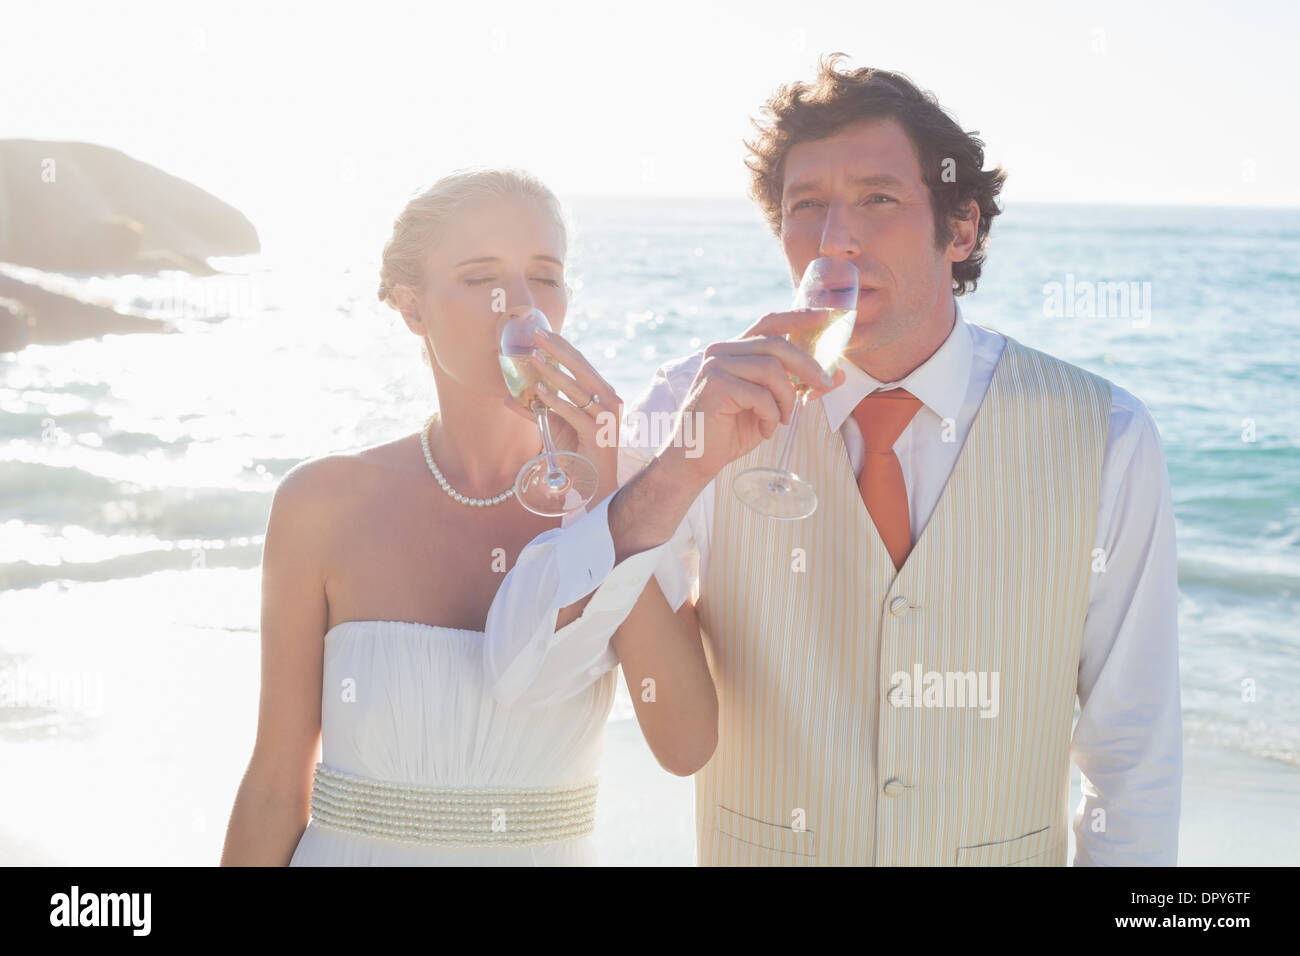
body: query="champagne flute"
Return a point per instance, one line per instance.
(829, 291)
(555, 482)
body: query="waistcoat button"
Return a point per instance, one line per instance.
(898, 606)
(894, 787)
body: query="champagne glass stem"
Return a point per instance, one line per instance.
(552, 464)
(783, 464)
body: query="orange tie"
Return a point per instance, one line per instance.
(882, 416)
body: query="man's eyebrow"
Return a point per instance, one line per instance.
(808, 186)
(497, 259)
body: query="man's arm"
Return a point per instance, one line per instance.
(648, 509)
(1128, 742)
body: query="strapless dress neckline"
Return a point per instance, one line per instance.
(427, 627)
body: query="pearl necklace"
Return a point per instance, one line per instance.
(463, 499)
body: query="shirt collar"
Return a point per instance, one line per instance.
(940, 382)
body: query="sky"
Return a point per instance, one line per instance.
(300, 112)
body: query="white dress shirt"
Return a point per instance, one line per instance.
(1127, 742)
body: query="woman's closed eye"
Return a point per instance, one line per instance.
(551, 282)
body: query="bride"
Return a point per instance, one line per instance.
(379, 571)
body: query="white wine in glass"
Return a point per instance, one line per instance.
(825, 340)
(555, 482)
(828, 291)
(522, 375)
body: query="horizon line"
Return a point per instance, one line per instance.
(1155, 204)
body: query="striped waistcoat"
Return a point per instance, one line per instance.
(826, 753)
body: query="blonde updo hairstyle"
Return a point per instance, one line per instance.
(429, 214)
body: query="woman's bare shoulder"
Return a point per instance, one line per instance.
(315, 477)
(345, 475)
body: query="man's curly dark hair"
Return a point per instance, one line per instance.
(951, 160)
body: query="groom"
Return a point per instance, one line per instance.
(896, 674)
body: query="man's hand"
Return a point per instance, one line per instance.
(741, 393)
(742, 390)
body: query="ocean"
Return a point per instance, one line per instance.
(136, 471)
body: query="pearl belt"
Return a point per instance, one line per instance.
(437, 816)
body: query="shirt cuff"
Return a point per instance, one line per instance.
(585, 555)
(527, 662)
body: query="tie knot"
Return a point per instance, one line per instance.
(883, 415)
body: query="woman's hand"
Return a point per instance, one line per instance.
(590, 429)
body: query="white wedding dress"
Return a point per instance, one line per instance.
(406, 703)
